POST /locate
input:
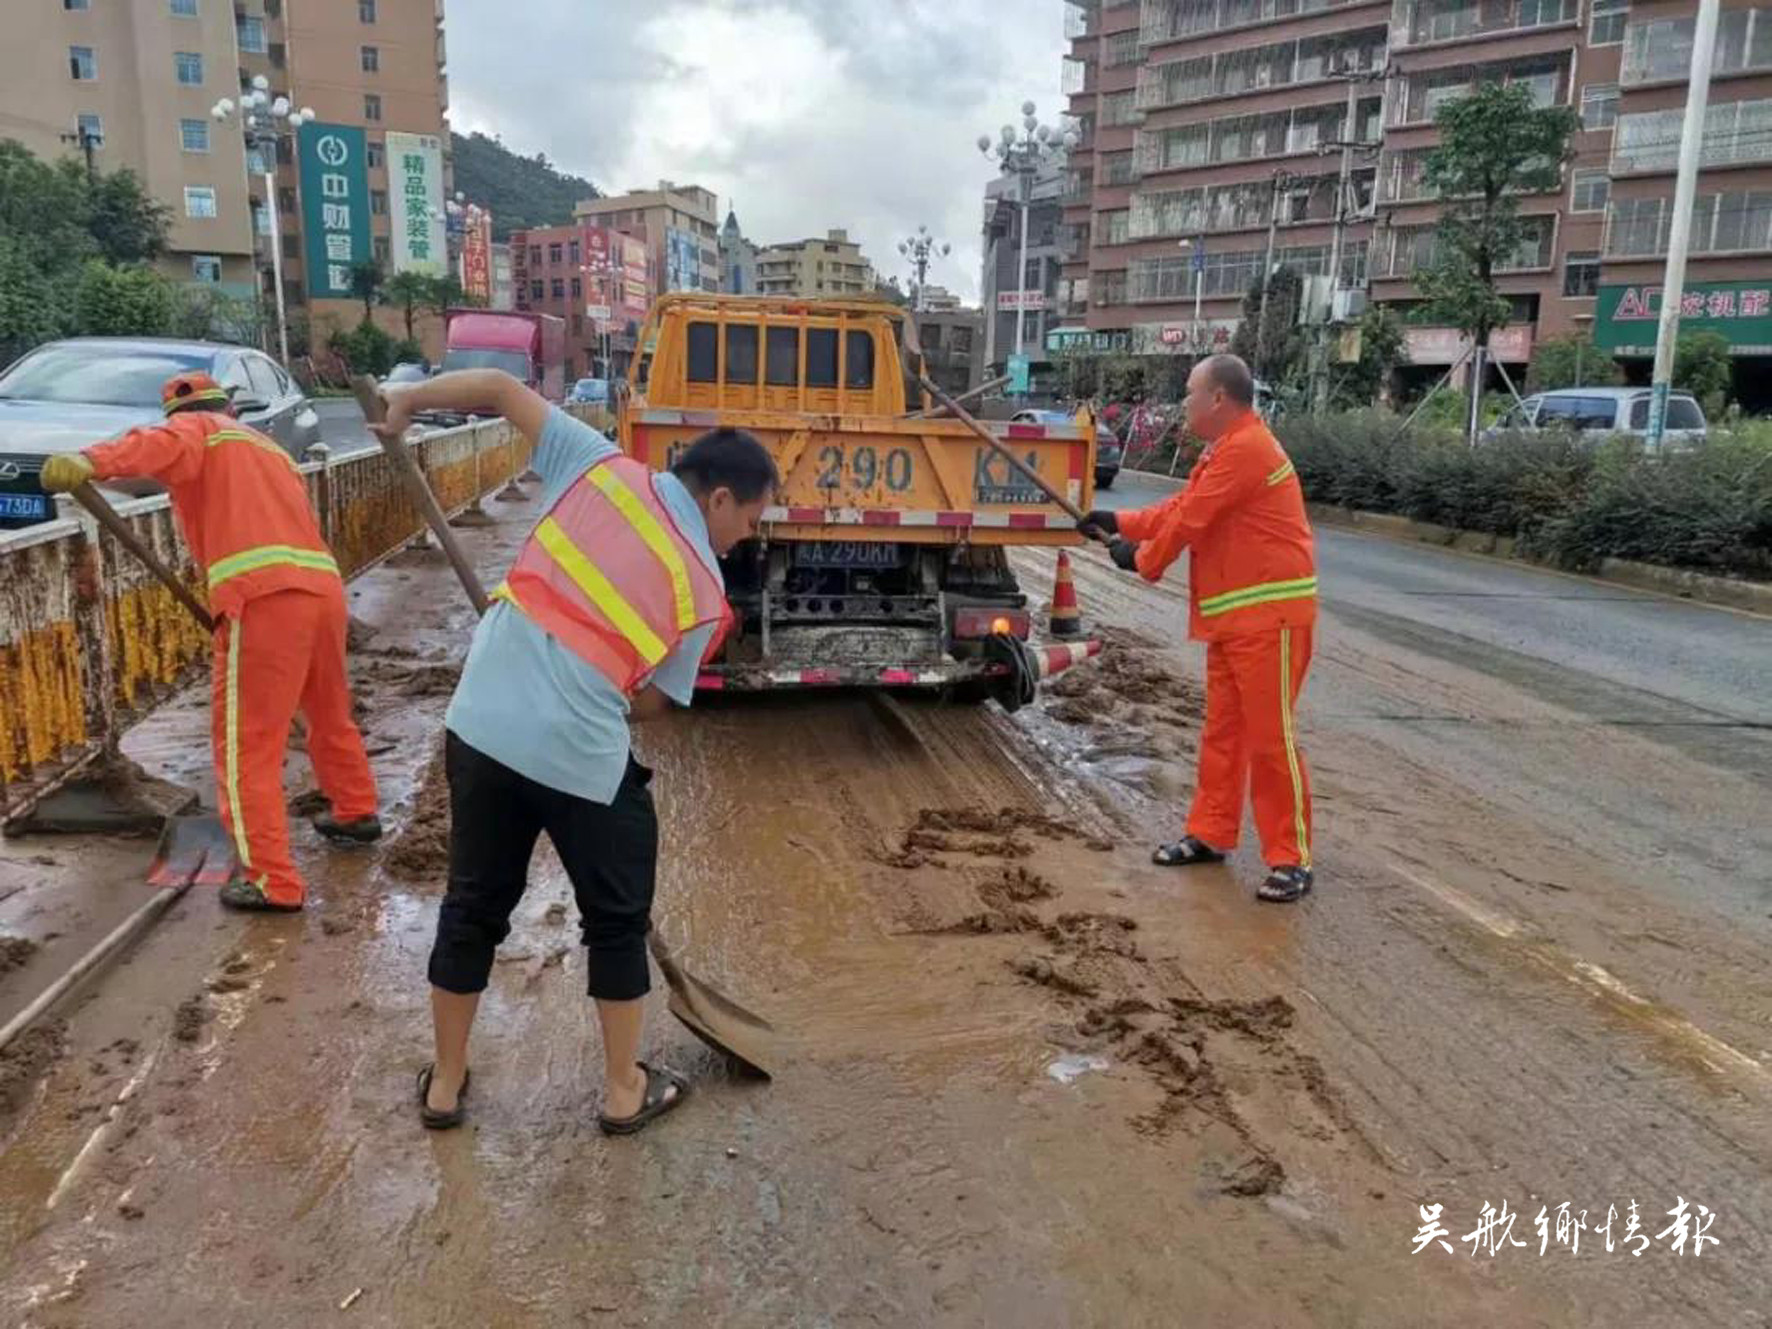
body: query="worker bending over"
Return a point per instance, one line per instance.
(1253, 592)
(606, 617)
(280, 623)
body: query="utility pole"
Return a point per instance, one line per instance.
(1673, 284)
(1350, 128)
(89, 143)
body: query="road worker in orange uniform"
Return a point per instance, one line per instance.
(1253, 587)
(280, 624)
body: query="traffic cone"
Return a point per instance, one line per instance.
(1066, 618)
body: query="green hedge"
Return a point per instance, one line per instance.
(1563, 498)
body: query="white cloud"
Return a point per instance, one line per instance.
(806, 114)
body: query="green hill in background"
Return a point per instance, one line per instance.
(521, 191)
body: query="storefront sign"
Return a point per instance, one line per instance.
(1207, 337)
(335, 206)
(1010, 301)
(1445, 346)
(476, 258)
(1085, 341)
(1627, 318)
(415, 203)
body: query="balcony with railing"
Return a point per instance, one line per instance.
(1260, 68)
(1118, 169)
(1254, 137)
(1402, 178)
(1078, 189)
(1734, 222)
(1417, 98)
(1082, 18)
(1735, 133)
(1660, 51)
(1407, 250)
(1232, 272)
(1428, 22)
(1301, 200)
(1073, 76)
(1172, 20)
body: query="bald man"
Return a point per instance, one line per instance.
(1253, 588)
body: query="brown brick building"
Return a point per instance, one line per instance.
(1207, 121)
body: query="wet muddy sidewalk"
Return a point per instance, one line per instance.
(1026, 1077)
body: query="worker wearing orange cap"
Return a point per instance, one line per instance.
(1253, 587)
(280, 623)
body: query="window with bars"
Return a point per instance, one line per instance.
(1734, 222)
(1108, 288)
(1599, 106)
(1660, 50)
(1115, 228)
(1589, 191)
(187, 67)
(1118, 168)
(82, 64)
(1120, 108)
(1121, 48)
(369, 57)
(374, 156)
(193, 135)
(371, 106)
(1422, 96)
(199, 201)
(1734, 132)
(1607, 21)
(1581, 275)
(251, 34)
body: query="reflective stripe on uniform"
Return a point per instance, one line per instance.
(231, 745)
(266, 556)
(184, 402)
(1298, 826)
(1280, 474)
(1299, 588)
(647, 527)
(243, 436)
(600, 591)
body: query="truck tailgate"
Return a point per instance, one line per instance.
(920, 481)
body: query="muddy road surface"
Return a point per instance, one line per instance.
(1025, 1077)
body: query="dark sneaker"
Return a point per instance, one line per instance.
(1285, 885)
(249, 895)
(364, 830)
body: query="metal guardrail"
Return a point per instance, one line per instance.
(90, 642)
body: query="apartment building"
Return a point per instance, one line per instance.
(1210, 126)
(679, 224)
(598, 281)
(832, 267)
(1020, 296)
(133, 84)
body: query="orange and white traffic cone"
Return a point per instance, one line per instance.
(1066, 617)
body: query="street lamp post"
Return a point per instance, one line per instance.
(919, 249)
(1196, 252)
(266, 122)
(1022, 155)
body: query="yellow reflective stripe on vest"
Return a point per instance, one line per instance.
(242, 436)
(600, 591)
(647, 527)
(1280, 474)
(1300, 588)
(270, 556)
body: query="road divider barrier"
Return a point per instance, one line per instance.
(90, 642)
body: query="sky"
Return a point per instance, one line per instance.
(807, 115)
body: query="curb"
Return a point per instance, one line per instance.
(1755, 597)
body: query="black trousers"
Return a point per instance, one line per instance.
(610, 854)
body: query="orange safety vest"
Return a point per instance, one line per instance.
(239, 499)
(624, 607)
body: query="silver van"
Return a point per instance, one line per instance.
(1606, 411)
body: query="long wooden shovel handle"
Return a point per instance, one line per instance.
(106, 516)
(374, 412)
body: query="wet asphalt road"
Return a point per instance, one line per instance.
(341, 425)
(1628, 654)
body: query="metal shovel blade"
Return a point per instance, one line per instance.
(193, 851)
(715, 1018)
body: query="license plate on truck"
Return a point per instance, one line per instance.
(848, 554)
(31, 507)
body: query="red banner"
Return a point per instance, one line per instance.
(476, 258)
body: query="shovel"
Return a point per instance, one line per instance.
(713, 1017)
(191, 849)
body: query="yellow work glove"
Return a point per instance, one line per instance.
(65, 471)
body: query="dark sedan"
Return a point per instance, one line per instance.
(68, 395)
(1107, 447)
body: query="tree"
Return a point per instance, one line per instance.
(1703, 367)
(1383, 348)
(1269, 340)
(124, 302)
(522, 192)
(1571, 361)
(367, 283)
(1495, 145)
(446, 293)
(410, 291)
(128, 224)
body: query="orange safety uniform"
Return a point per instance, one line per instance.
(280, 623)
(608, 574)
(1253, 594)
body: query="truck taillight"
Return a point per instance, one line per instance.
(976, 624)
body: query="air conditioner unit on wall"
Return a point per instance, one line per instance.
(1349, 305)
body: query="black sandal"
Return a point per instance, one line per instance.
(657, 1100)
(1285, 885)
(433, 1119)
(1185, 853)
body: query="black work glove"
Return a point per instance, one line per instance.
(1125, 554)
(1099, 521)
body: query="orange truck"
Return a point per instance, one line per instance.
(885, 562)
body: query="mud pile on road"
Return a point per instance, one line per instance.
(1002, 834)
(420, 850)
(26, 1060)
(1129, 685)
(14, 951)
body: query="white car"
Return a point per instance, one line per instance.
(1607, 411)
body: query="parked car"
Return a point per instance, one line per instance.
(410, 371)
(1108, 453)
(590, 392)
(67, 395)
(1606, 411)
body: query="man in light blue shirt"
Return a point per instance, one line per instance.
(537, 740)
